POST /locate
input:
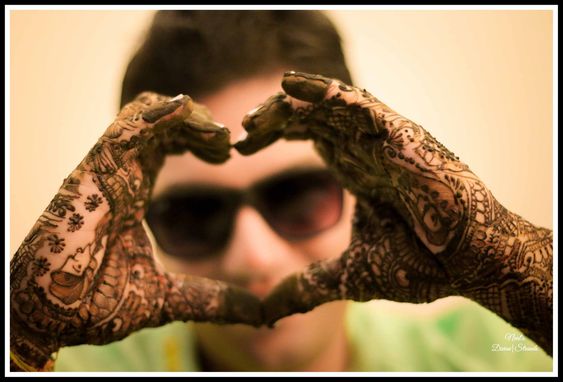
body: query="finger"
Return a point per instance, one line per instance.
(314, 88)
(302, 292)
(306, 87)
(212, 140)
(190, 127)
(265, 124)
(192, 298)
(342, 110)
(201, 120)
(314, 107)
(173, 126)
(140, 120)
(163, 108)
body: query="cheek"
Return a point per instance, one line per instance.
(202, 269)
(333, 242)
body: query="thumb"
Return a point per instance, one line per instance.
(303, 291)
(192, 298)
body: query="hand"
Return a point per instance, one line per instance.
(86, 272)
(425, 226)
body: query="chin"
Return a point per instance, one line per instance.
(288, 346)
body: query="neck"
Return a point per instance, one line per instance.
(333, 357)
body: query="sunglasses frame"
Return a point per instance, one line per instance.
(250, 196)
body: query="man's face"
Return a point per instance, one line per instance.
(255, 256)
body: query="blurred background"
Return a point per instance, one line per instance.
(479, 81)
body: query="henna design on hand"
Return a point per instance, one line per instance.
(92, 202)
(383, 261)
(86, 273)
(485, 252)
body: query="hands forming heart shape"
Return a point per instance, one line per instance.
(425, 226)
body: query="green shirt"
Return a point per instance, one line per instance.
(463, 337)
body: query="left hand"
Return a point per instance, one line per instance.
(86, 273)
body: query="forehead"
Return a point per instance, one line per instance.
(228, 106)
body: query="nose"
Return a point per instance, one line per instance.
(256, 258)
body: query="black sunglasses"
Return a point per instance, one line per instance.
(196, 222)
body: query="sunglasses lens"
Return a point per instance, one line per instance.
(192, 224)
(196, 223)
(303, 204)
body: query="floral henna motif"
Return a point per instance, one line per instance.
(75, 222)
(56, 243)
(85, 273)
(92, 202)
(40, 266)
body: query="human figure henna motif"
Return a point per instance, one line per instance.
(86, 273)
(425, 226)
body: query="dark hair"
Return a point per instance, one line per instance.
(198, 52)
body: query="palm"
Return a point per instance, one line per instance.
(401, 268)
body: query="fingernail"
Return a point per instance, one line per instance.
(154, 114)
(306, 87)
(199, 123)
(177, 98)
(246, 147)
(242, 136)
(253, 111)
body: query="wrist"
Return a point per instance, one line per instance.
(27, 354)
(507, 267)
(19, 364)
(502, 248)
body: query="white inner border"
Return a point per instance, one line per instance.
(9, 8)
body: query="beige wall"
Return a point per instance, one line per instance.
(480, 82)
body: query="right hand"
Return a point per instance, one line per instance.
(425, 225)
(86, 274)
